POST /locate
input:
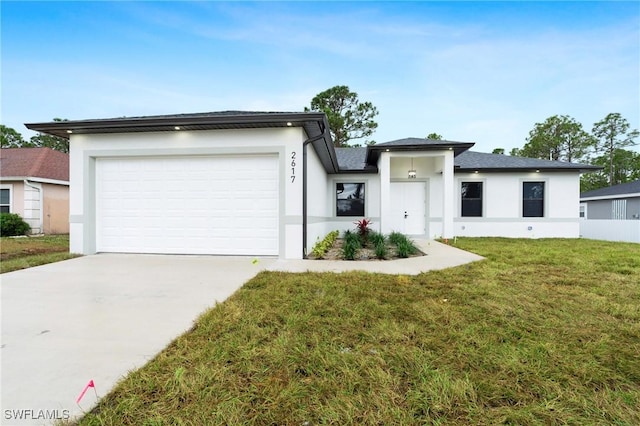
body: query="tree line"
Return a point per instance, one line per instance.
(562, 138)
(10, 138)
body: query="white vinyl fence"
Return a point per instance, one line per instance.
(611, 230)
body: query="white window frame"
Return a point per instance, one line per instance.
(10, 188)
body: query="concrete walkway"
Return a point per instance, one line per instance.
(438, 256)
(99, 317)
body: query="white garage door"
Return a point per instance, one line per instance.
(188, 205)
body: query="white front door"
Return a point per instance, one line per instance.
(408, 207)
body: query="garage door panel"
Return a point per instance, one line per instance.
(199, 205)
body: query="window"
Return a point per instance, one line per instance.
(583, 211)
(533, 199)
(350, 199)
(5, 200)
(471, 199)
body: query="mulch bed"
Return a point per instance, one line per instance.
(367, 253)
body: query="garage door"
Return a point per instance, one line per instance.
(188, 205)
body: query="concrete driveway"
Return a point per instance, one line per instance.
(96, 318)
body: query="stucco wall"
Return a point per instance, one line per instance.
(317, 212)
(284, 142)
(55, 216)
(502, 206)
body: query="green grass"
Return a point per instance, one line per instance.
(25, 252)
(541, 332)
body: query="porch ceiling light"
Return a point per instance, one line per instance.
(69, 131)
(177, 127)
(289, 124)
(412, 171)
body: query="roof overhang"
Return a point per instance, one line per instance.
(33, 179)
(374, 151)
(611, 197)
(458, 169)
(313, 123)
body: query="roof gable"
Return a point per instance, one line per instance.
(34, 162)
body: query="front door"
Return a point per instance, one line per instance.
(408, 207)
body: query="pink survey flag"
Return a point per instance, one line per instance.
(89, 385)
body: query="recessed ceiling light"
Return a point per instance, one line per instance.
(537, 171)
(289, 124)
(177, 127)
(69, 131)
(475, 172)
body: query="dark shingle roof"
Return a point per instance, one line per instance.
(621, 189)
(34, 162)
(471, 161)
(352, 159)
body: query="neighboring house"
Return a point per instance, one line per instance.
(250, 183)
(34, 183)
(618, 202)
(611, 213)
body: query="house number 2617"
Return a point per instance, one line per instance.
(293, 167)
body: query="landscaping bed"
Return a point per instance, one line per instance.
(364, 244)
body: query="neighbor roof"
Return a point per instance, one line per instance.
(615, 190)
(43, 163)
(479, 161)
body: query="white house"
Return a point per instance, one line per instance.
(256, 183)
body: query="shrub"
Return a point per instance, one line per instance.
(376, 238)
(381, 250)
(12, 224)
(321, 247)
(396, 237)
(362, 226)
(352, 238)
(405, 248)
(350, 248)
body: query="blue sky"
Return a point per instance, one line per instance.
(470, 71)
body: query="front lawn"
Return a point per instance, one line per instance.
(24, 252)
(541, 332)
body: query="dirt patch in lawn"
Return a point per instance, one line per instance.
(16, 247)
